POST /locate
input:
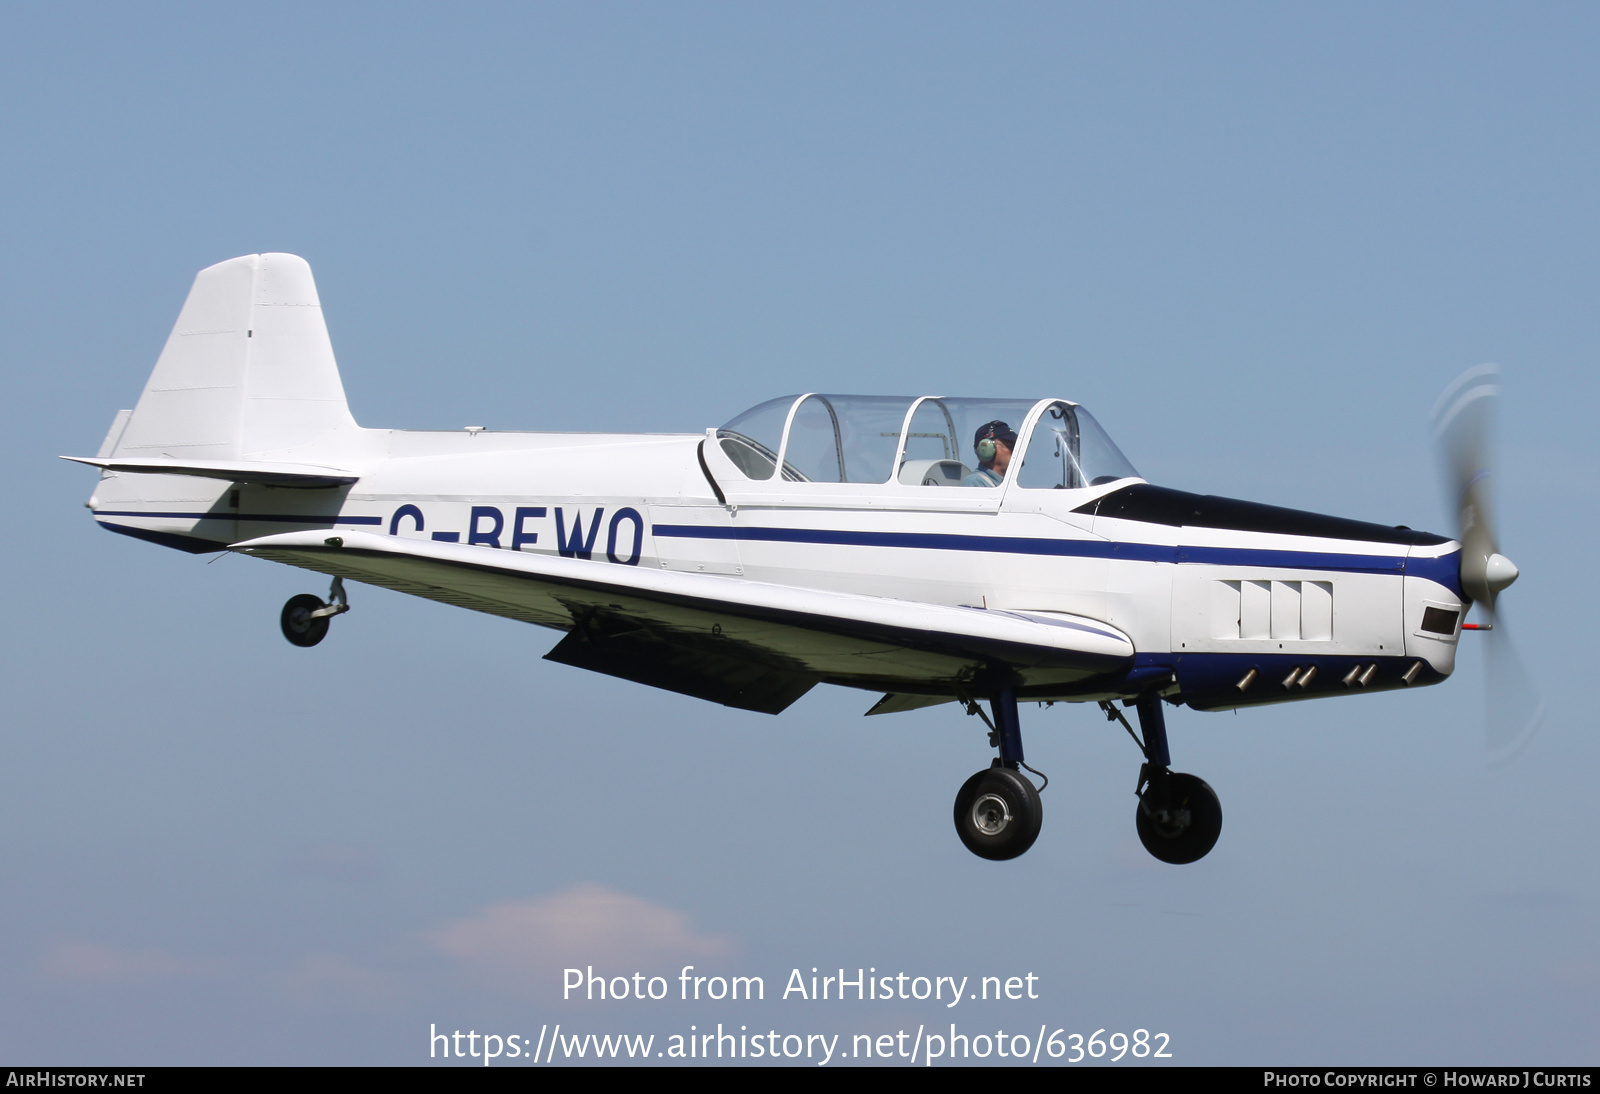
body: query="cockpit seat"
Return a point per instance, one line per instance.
(933, 472)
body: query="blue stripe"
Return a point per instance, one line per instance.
(1446, 570)
(1033, 617)
(1072, 548)
(276, 517)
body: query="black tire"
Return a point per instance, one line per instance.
(298, 625)
(998, 813)
(1185, 826)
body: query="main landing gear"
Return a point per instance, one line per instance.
(304, 618)
(1179, 816)
(998, 812)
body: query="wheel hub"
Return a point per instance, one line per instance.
(1179, 818)
(991, 814)
(1171, 822)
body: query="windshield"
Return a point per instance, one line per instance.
(1068, 449)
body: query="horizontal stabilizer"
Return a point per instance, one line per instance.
(299, 475)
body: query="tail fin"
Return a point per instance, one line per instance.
(248, 371)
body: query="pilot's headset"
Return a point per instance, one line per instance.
(988, 433)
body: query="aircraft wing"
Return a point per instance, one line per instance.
(741, 643)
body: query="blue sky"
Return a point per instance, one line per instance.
(1256, 240)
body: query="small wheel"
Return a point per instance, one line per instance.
(298, 625)
(998, 813)
(1183, 827)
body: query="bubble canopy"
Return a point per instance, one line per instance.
(927, 440)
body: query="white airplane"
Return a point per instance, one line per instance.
(933, 549)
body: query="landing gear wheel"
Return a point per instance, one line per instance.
(298, 624)
(998, 813)
(1179, 818)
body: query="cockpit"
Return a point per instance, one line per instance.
(928, 441)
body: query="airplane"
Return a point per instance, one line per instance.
(932, 549)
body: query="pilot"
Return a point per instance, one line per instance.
(993, 443)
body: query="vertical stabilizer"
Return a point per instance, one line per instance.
(248, 370)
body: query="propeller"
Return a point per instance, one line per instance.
(1463, 422)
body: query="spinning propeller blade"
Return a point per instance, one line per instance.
(1515, 711)
(1462, 428)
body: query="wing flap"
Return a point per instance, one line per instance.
(899, 704)
(688, 668)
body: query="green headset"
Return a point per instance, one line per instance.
(987, 435)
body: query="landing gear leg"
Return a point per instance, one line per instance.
(304, 618)
(1179, 817)
(998, 812)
